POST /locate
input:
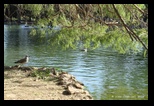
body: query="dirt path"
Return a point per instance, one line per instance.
(19, 87)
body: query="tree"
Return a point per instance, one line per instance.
(124, 27)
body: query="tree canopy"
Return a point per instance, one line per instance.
(123, 27)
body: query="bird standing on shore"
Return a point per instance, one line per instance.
(23, 61)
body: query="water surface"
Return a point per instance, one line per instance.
(106, 74)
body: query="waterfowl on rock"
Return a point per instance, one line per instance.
(23, 60)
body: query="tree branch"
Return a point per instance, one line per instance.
(129, 30)
(139, 8)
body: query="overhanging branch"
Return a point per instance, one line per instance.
(129, 30)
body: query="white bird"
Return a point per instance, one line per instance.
(26, 25)
(85, 49)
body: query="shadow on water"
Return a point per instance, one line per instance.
(106, 74)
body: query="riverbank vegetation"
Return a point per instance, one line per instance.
(123, 27)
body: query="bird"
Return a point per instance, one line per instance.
(85, 49)
(26, 25)
(23, 61)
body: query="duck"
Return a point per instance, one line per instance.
(26, 25)
(85, 49)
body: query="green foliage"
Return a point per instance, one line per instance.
(36, 9)
(79, 27)
(40, 74)
(108, 10)
(93, 38)
(66, 38)
(143, 35)
(141, 6)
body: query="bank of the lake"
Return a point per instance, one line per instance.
(27, 83)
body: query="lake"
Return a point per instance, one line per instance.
(106, 74)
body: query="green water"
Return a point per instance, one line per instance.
(106, 74)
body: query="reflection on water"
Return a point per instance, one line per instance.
(105, 73)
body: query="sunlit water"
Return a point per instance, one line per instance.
(105, 73)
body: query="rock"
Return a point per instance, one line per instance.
(53, 71)
(7, 67)
(51, 75)
(87, 97)
(77, 85)
(66, 77)
(62, 72)
(34, 68)
(73, 87)
(42, 69)
(15, 67)
(28, 74)
(25, 68)
(73, 90)
(80, 83)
